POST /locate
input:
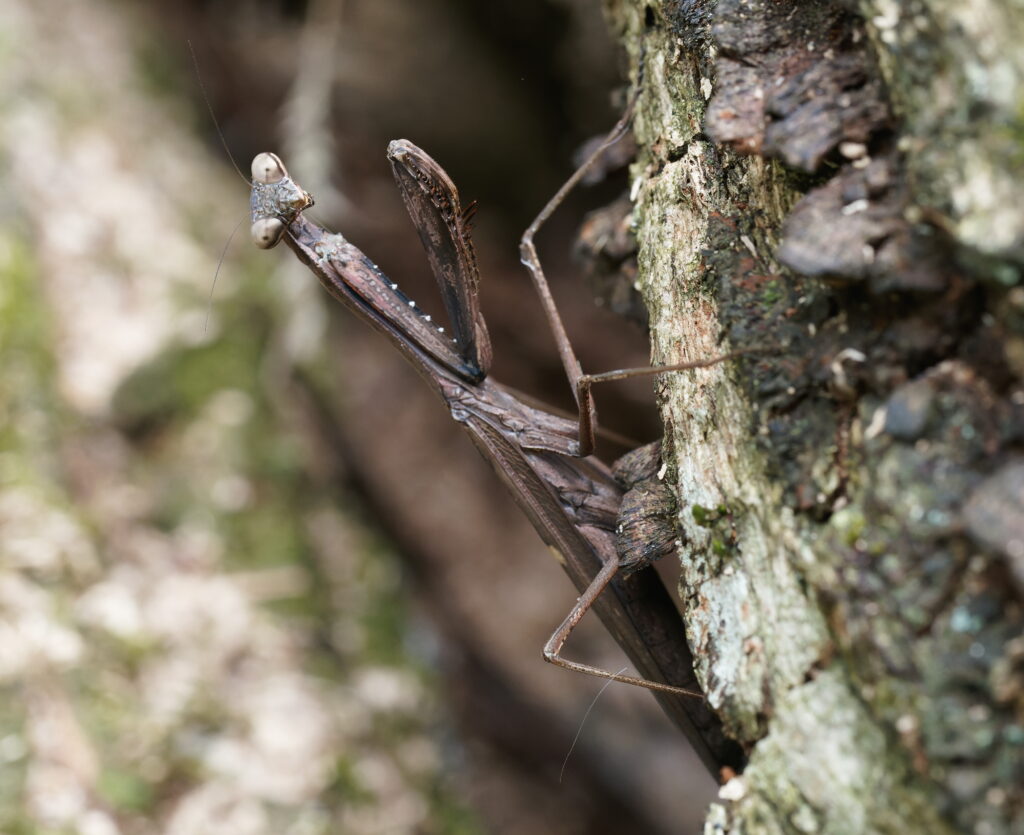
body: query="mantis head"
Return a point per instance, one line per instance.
(276, 200)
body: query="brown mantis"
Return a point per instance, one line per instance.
(572, 499)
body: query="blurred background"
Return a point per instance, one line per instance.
(252, 578)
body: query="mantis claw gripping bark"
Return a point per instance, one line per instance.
(573, 500)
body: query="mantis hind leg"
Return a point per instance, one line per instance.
(553, 647)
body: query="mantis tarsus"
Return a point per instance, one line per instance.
(572, 499)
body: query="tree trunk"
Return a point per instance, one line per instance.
(836, 194)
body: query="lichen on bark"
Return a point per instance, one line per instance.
(951, 67)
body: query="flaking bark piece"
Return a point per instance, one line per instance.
(616, 158)
(856, 228)
(794, 81)
(606, 248)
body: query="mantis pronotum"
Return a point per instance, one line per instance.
(572, 499)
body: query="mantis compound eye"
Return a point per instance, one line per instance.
(268, 168)
(267, 231)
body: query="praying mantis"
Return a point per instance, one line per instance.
(573, 500)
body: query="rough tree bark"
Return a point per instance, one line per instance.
(838, 185)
